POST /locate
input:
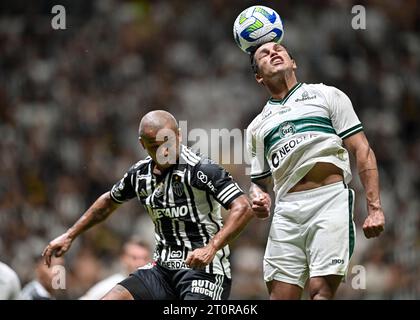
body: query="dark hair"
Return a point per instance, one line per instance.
(254, 65)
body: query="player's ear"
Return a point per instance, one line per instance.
(141, 142)
(294, 64)
(259, 79)
(179, 135)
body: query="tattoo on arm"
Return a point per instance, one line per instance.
(98, 215)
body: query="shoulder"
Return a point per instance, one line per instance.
(332, 95)
(252, 127)
(206, 172)
(326, 90)
(189, 157)
(317, 88)
(206, 166)
(141, 166)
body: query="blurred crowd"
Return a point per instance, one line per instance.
(71, 101)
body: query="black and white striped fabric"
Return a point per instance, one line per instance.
(184, 206)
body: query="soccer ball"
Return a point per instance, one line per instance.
(255, 26)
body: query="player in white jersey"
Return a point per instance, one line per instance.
(299, 142)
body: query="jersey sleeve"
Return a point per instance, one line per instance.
(256, 153)
(214, 179)
(124, 189)
(343, 117)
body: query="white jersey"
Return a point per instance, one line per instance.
(103, 287)
(9, 283)
(291, 135)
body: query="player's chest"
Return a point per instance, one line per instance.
(168, 196)
(294, 113)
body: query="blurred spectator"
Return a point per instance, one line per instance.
(42, 287)
(135, 254)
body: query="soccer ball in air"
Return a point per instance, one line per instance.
(255, 26)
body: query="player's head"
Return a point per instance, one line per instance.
(270, 61)
(44, 274)
(160, 136)
(135, 254)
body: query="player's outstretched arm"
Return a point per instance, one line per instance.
(368, 173)
(239, 216)
(98, 212)
(260, 197)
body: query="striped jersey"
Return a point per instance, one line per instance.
(184, 204)
(291, 135)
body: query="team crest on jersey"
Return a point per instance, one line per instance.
(287, 129)
(177, 186)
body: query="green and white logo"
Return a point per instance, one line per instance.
(287, 129)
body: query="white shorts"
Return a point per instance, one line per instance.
(312, 234)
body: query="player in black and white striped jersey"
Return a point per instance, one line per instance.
(183, 193)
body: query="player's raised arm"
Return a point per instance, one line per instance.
(358, 145)
(97, 213)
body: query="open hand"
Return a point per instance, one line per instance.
(58, 247)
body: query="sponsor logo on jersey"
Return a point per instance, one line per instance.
(171, 212)
(178, 264)
(305, 96)
(275, 160)
(205, 179)
(172, 264)
(204, 287)
(267, 114)
(175, 259)
(176, 254)
(337, 261)
(202, 177)
(284, 109)
(211, 186)
(283, 150)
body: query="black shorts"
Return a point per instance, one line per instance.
(159, 283)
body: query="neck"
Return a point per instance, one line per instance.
(279, 88)
(160, 171)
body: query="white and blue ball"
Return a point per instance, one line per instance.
(255, 26)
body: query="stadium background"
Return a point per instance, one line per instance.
(71, 100)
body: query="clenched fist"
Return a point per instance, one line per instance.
(261, 205)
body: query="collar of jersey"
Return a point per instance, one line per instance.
(287, 96)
